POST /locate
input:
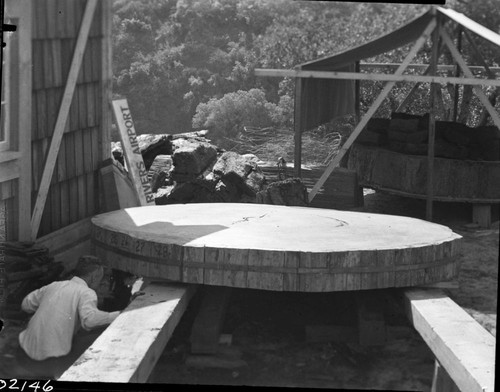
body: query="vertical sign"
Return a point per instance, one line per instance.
(132, 152)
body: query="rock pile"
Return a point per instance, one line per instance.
(187, 168)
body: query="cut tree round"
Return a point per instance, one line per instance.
(275, 247)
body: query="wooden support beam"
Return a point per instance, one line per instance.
(441, 67)
(282, 73)
(208, 323)
(383, 94)
(441, 381)
(62, 117)
(478, 55)
(477, 90)
(297, 162)
(432, 126)
(460, 344)
(457, 73)
(129, 348)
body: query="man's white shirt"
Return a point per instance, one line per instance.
(60, 309)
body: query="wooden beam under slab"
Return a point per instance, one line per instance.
(461, 345)
(129, 348)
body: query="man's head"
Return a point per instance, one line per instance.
(90, 269)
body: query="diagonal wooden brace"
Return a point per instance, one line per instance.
(62, 117)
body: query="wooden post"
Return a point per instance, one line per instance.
(457, 74)
(383, 94)
(357, 94)
(432, 125)
(62, 117)
(23, 120)
(467, 72)
(104, 141)
(298, 128)
(441, 381)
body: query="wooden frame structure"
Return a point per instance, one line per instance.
(332, 69)
(60, 122)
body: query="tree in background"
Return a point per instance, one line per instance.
(176, 61)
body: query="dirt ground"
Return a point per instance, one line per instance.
(269, 345)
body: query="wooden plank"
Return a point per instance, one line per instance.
(91, 104)
(42, 120)
(38, 64)
(55, 207)
(48, 80)
(61, 162)
(477, 90)
(87, 150)
(129, 348)
(62, 118)
(462, 346)
(132, 153)
(51, 16)
(64, 189)
(471, 25)
(441, 67)
(286, 73)
(79, 164)
(73, 199)
(104, 109)
(383, 94)
(9, 170)
(69, 145)
(208, 323)
(91, 194)
(82, 196)
(58, 76)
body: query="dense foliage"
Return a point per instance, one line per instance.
(189, 63)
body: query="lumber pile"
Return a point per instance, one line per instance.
(408, 134)
(28, 267)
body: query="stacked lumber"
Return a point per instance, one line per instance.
(28, 267)
(408, 134)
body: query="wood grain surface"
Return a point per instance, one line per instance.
(275, 247)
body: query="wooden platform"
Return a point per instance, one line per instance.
(129, 348)
(275, 247)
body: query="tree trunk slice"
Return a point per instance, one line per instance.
(454, 180)
(275, 247)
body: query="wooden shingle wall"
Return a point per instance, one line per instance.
(73, 193)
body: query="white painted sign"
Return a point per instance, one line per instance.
(132, 152)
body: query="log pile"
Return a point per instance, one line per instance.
(408, 134)
(28, 267)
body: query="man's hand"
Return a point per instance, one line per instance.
(135, 295)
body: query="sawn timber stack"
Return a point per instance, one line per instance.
(275, 247)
